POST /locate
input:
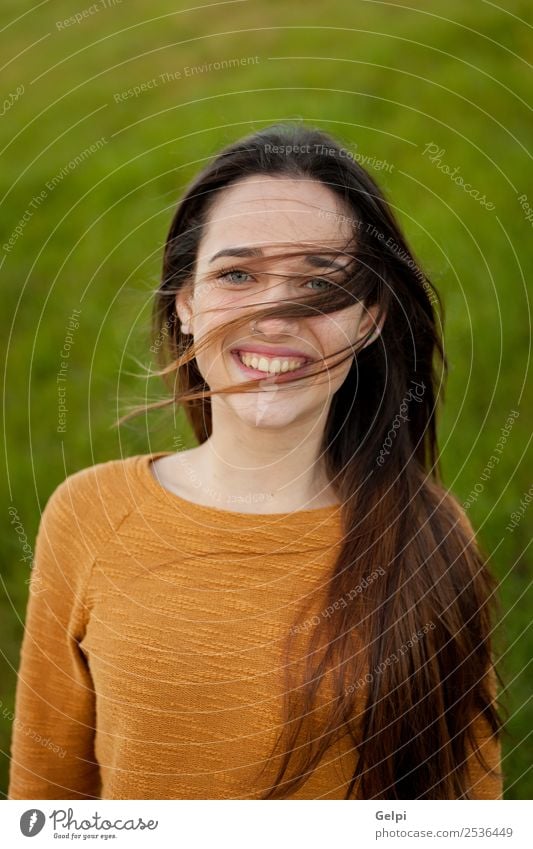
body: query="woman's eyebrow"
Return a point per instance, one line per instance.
(316, 261)
(321, 262)
(237, 252)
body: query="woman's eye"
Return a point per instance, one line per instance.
(327, 283)
(228, 275)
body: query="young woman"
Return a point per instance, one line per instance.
(295, 607)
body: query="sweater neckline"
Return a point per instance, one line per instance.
(193, 509)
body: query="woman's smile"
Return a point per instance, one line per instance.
(280, 369)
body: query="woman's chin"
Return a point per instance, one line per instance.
(265, 412)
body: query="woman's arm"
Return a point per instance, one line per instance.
(52, 753)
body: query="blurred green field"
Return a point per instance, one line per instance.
(389, 79)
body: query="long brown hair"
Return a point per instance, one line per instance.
(431, 591)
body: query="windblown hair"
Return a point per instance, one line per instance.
(413, 728)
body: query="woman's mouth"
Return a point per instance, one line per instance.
(279, 369)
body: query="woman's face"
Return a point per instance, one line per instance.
(256, 211)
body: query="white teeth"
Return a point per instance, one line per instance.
(273, 366)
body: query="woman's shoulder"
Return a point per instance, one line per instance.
(92, 501)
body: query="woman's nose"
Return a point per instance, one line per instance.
(278, 291)
(276, 325)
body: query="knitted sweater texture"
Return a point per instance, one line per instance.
(151, 665)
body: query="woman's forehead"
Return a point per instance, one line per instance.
(307, 198)
(259, 210)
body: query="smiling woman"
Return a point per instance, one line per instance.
(334, 643)
(324, 318)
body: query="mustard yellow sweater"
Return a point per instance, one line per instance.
(151, 661)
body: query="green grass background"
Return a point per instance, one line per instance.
(385, 77)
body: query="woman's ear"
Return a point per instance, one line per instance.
(183, 309)
(370, 323)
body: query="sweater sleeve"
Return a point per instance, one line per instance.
(52, 751)
(485, 783)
